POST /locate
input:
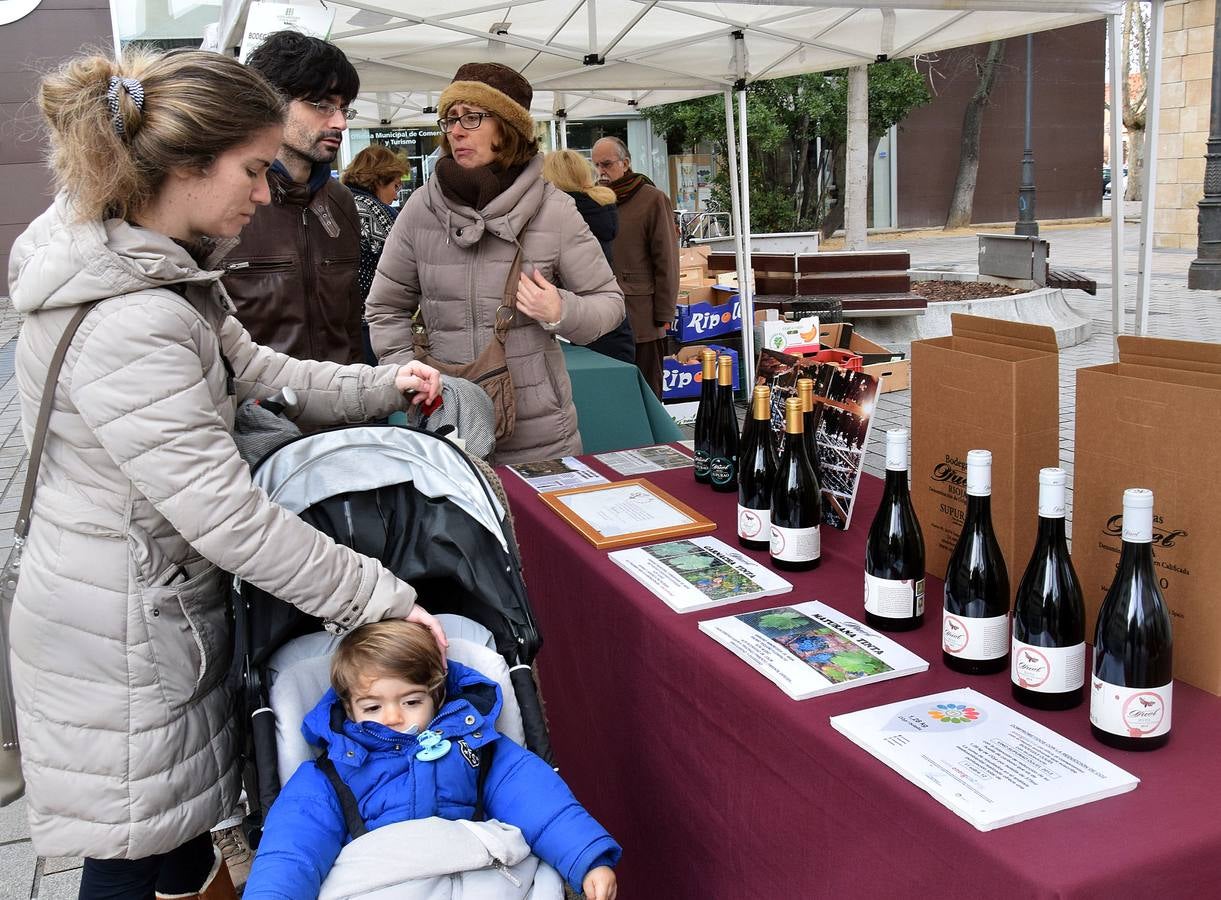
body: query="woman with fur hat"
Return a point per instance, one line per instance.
(452, 249)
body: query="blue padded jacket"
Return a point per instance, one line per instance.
(305, 827)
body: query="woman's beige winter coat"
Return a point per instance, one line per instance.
(452, 262)
(121, 630)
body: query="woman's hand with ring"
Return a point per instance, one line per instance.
(538, 298)
(424, 382)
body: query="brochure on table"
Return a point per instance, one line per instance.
(553, 474)
(989, 764)
(699, 573)
(809, 649)
(645, 459)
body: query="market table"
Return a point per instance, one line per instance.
(719, 786)
(615, 407)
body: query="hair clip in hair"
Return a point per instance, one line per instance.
(432, 746)
(134, 89)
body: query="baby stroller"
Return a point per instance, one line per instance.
(435, 517)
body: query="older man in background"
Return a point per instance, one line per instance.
(645, 254)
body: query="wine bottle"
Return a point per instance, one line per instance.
(809, 422)
(723, 441)
(1131, 688)
(756, 471)
(796, 500)
(705, 414)
(1047, 654)
(894, 549)
(975, 614)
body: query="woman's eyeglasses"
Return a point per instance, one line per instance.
(470, 121)
(326, 110)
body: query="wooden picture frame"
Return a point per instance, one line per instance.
(685, 521)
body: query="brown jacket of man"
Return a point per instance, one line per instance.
(646, 262)
(292, 276)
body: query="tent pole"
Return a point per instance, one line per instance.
(1117, 186)
(551, 128)
(735, 211)
(564, 133)
(746, 286)
(1153, 110)
(856, 170)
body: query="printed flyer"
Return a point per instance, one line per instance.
(989, 764)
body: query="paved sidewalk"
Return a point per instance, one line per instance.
(1175, 312)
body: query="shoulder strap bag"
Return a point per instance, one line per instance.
(490, 370)
(12, 784)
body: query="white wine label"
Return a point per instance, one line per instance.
(753, 523)
(969, 638)
(701, 462)
(1048, 670)
(722, 469)
(795, 544)
(892, 599)
(1130, 712)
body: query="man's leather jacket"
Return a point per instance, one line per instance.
(293, 273)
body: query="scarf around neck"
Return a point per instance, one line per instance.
(475, 187)
(627, 186)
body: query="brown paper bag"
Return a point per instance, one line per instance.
(1153, 420)
(992, 385)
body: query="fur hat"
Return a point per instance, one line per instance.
(496, 88)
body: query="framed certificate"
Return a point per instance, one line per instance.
(621, 513)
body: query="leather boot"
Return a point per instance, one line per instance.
(219, 885)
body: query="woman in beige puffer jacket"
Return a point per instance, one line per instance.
(121, 628)
(452, 247)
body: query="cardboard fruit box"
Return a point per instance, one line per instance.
(682, 376)
(889, 365)
(698, 321)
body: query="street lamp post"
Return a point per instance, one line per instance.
(1205, 271)
(1026, 223)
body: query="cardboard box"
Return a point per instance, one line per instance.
(700, 321)
(992, 385)
(694, 257)
(681, 375)
(781, 334)
(1153, 420)
(890, 366)
(690, 277)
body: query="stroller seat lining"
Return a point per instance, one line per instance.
(300, 675)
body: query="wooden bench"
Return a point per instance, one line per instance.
(1070, 280)
(866, 282)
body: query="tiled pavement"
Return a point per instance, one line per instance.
(1175, 312)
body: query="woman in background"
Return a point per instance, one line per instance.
(373, 177)
(571, 173)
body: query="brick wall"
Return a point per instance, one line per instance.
(1186, 87)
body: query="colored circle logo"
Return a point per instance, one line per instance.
(749, 523)
(954, 713)
(954, 634)
(1031, 667)
(1143, 713)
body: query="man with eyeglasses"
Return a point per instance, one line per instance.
(645, 254)
(293, 276)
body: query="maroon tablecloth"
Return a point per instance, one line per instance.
(719, 786)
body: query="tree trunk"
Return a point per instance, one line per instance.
(1136, 166)
(963, 198)
(857, 181)
(800, 185)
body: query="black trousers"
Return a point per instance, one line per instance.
(182, 870)
(649, 355)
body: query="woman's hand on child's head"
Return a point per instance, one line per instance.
(420, 380)
(421, 616)
(599, 884)
(538, 298)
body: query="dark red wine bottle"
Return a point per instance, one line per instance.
(1130, 692)
(796, 539)
(705, 414)
(975, 614)
(756, 471)
(1047, 654)
(723, 442)
(894, 549)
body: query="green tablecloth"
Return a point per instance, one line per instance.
(615, 408)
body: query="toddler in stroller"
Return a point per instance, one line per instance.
(402, 739)
(438, 519)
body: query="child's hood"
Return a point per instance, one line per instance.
(472, 704)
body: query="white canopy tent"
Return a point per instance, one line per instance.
(602, 57)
